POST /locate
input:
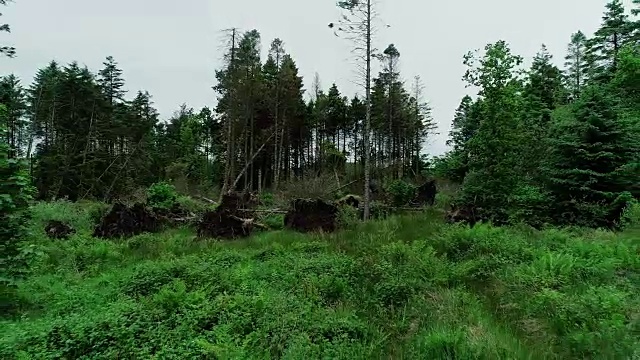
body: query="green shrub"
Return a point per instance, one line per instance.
(162, 195)
(274, 221)
(348, 216)
(193, 205)
(267, 199)
(401, 192)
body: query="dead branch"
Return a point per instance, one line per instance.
(273, 211)
(249, 222)
(253, 157)
(206, 199)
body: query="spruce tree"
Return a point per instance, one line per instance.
(590, 168)
(15, 194)
(13, 96)
(576, 65)
(614, 32)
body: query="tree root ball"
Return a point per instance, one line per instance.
(426, 193)
(58, 230)
(224, 224)
(231, 219)
(308, 215)
(123, 221)
(349, 200)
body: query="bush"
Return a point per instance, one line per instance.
(267, 199)
(162, 195)
(348, 216)
(401, 192)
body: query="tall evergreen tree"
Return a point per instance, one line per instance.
(576, 64)
(542, 93)
(13, 96)
(614, 32)
(592, 164)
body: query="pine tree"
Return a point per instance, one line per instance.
(590, 169)
(608, 40)
(576, 64)
(463, 127)
(542, 93)
(13, 96)
(16, 194)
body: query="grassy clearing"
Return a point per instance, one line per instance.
(407, 287)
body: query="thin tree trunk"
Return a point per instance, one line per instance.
(230, 148)
(367, 165)
(246, 166)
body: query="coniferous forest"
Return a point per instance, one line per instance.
(301, 222)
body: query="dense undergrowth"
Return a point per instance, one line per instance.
(407, 287)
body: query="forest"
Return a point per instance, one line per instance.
(300, 222)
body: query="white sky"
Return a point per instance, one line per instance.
(172, 48)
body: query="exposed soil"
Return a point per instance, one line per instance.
(124, 221)
(232, 219)
(308, 215)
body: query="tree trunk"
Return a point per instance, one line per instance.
(367, 165)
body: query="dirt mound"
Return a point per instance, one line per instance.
(123, 221)
(233, 218)
(58, 230)
(308, 215)
(425, 194)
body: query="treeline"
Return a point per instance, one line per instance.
(85, 138)
(548, 145)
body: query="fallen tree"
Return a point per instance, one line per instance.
(306, 215)
(233, 218)
(124, 221)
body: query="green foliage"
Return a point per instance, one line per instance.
(591, 169)
(401, 287)
(401, 192)
(630, 218)
(348, 216)
(162, 195)
(15, 194)
(274, 221)
(491, 179)
(267, 199)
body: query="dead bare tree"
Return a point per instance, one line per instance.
(356, 25)
(231, 42)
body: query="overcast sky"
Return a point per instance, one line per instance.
(172, 48)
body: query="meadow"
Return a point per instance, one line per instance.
(406, 287)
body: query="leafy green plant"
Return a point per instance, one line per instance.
(162, 195)
(401, 192)
(267, 199)
(348, 216)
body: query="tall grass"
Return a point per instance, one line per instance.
(407, 287)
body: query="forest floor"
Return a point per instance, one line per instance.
(408, 287)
